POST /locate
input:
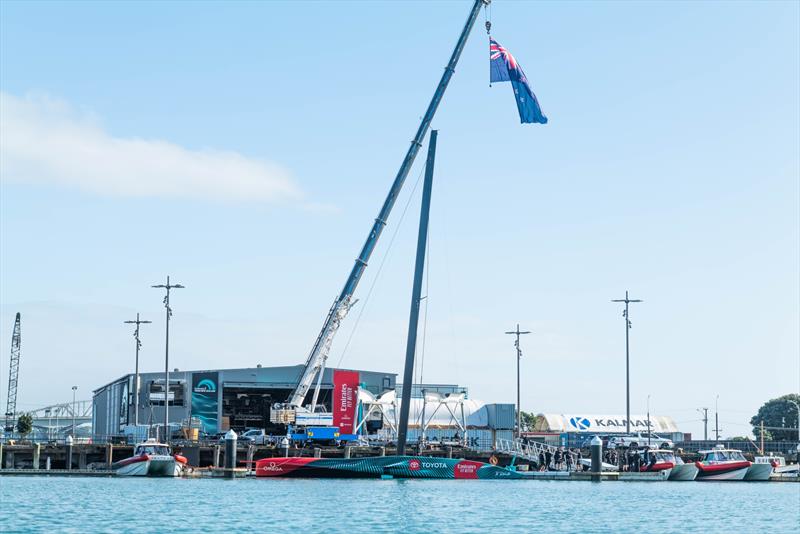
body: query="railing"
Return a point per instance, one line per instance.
(531, 450)
(783, 447)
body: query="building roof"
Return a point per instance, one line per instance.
(599, 424)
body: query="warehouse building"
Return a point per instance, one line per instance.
(219, 399)
(574, 429)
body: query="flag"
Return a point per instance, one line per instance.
(504, 68)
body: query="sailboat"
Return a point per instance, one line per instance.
(399, 465)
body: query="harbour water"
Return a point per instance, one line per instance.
(55, 504)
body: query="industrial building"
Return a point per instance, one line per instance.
(220, 399)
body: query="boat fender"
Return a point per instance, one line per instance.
(493, 459)
(181, 459)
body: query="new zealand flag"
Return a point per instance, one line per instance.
(504, 68)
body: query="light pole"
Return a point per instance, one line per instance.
(625, 314)
(704, 411)
(137, 322)
(74, 389)
(518, 333)
(716, 418)
(168, 287)
(649, 429)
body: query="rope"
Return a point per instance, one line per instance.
(425, 316)
(380, 268)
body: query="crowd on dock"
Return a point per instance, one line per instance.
(566, 459)
(560, 460)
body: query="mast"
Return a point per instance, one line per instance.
(315, 362)
(416, 294)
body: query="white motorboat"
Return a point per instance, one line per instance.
(778, 464)
(683, 472)
(151, 459)
(722, 464)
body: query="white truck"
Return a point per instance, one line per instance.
(640, 439)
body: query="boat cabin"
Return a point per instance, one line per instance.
(152, 448)
(722, 455)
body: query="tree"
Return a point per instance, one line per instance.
(779, 417)
(528, 420)
(25, 424)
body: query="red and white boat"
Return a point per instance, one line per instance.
(722, 464)
(151, 459)
(657, 460)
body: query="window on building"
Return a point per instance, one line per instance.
(156, 393)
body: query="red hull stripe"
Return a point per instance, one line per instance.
(659, 466)
(131, 460)
(721, 468)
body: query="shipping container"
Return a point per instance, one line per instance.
(501, 416)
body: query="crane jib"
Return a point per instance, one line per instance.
(316, 359)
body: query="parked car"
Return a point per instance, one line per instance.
(253, 436)
(640, 439)
(256, 436)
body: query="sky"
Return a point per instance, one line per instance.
(244, 149)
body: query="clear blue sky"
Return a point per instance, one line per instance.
(244, 149)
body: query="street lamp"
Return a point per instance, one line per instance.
(167, 286)
(137, 322)
(716, 418)
(74, 389)
(625, 314)
(518, 333)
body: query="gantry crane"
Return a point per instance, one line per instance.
(13, 377)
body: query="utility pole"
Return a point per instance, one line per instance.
(626, 315)
(704, 411)
(168, 287)
(518, 333)
(716, 418)
(137, 322)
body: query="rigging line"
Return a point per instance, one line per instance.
(427, 299)
(380, 267)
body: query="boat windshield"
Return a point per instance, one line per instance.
(153, 450)
(665, 457)
(724, 456)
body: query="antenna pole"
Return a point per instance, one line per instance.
(168, 287)
(137, 322)
(626, 315)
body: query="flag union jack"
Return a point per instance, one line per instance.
(497, 51)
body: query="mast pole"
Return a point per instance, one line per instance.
(319, 352)
(416, 294)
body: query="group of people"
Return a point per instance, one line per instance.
(559, 460)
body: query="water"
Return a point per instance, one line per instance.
(52, 504)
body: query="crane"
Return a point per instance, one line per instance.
(286, 413)
(13, 377)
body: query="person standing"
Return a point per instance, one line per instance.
(548, 458)
(542, 464)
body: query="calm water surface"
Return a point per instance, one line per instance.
(29, 504)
